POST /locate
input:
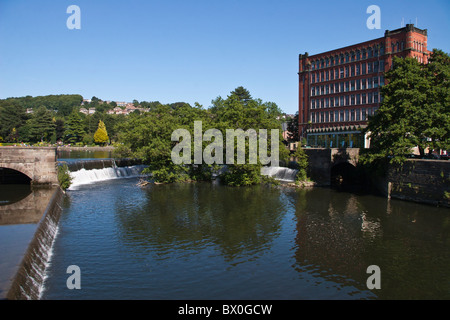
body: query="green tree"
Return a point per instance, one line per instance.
(74, 128)
(101, 135)
(239, 111)
(41, 125)
(59, 129)
(243, 94)
(414, 111)
(301, 159)
(12, 115)
(438, 96)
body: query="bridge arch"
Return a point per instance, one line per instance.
(13, 174)
(37, 164)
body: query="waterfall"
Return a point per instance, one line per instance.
(29, 280)
(280, 173)
(84, 176)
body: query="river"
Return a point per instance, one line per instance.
(209, 241)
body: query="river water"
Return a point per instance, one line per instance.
(209, 241)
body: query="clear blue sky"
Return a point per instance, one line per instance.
(186, 50)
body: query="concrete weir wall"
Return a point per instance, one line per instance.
(29, 278)
(424, 181)
(39, 164)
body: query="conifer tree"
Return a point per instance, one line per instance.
(101, 135)
(74, 128)
(41, 125)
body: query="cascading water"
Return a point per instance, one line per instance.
(29, 280)
(280, 173)
(84, 176)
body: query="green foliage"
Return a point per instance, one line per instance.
(12, 115)
(41, 125)
(414, 112)
(63, 104)
(122, 151)
(87, 139)
(242, 175)
(64, 178)
(148, 136)
(301, 159)
(74, 128)
(169, 174)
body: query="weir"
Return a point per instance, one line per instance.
(84, 176)
(27, 284)
(26, 269)
(282, 174)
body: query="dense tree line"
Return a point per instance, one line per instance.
(146, 136)
(149, 137)
(56, 118)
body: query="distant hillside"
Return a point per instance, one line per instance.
(62, 103)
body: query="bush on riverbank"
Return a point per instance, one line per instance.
(64, 178)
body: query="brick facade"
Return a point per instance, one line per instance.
(340, 89)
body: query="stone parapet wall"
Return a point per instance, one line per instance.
(39, 164)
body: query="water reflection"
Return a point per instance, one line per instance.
(239, 221)
(19, 219)
(22, 204)
(339, 235)
(77, 154)
(206, 241)
(12, 193)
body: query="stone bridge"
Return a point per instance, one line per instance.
(326, 164)
(36, 165)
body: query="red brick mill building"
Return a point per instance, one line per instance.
(340, 89)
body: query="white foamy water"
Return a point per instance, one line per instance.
(83, 176)
(280, 173)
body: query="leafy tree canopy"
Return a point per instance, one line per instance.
(414, 112)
